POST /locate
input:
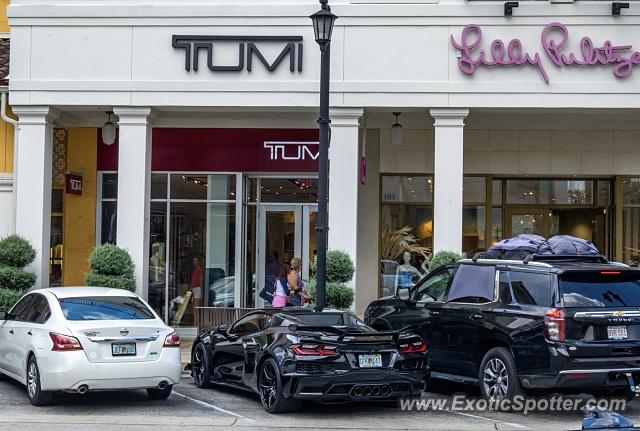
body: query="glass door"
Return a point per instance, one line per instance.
(528, 221)
(284, 232)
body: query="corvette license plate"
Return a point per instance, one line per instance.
(370, 361)
(617, 332)
(128, 349)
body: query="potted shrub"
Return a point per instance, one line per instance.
(111, 266)
(340, 271)
(15, 254)
(443, 257)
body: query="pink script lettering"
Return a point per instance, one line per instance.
(554, 38)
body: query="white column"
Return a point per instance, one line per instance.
(344, 164)
(33, 200)
(448, 170)
(134, 189)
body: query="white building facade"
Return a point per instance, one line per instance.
(510, 124)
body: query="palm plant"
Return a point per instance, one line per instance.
(394, 242)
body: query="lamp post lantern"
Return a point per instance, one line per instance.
(322, 27)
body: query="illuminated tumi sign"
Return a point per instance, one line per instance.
(248, 52)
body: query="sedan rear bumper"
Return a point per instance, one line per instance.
(68, 371)
(357, 385)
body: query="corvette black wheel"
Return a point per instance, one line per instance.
(270, 388)
(200, 366)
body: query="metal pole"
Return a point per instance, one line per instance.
(323, 178)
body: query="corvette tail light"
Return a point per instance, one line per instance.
(64, 343)
(172, 340)
(314, 350)
(554, 324)
(412, 347)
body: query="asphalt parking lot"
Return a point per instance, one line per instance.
(190, 408)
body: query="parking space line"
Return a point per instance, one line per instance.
(211, 406)
(492, 420)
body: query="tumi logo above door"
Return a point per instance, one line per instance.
(249, 50)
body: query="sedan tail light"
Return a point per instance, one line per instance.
(172, 340)
(314, 350)
(554, 324)
(64, 343)
(417, 346)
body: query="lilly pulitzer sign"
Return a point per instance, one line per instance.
(554, 39)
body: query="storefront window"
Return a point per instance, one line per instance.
(474, 229)
(551, 192)
(496, 226)
(284, 190)
(631, 191)
(406, 236)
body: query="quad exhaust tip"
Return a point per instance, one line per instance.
(82, 389)
(371, 391)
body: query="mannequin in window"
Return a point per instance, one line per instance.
(405, 272)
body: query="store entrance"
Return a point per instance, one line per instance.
(588, 223)
(284, 232)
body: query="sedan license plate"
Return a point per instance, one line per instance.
(123, 349)
(617, 332)
(370, 361)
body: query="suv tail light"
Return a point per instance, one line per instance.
(64, 343)
(554, 324)
(172, 340)
(416, 346)
(314, 350)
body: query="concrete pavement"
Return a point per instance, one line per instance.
(190, 408)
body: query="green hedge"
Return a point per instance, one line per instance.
(16, 252)
(9, 297)
(340, 267)
(111, 267)
(113, 281)
(338, 295)
(442, 258)
(109, 259)
(16, 279)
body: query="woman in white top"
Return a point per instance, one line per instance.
(282, 290)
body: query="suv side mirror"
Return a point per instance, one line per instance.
(403, 293)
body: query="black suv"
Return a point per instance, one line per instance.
(571, 324)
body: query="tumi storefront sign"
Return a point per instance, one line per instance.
(554, 40)
(74, 184)
(292, 150)
(249, 49)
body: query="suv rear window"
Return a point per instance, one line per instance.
(530, 288)
(601, 289)
(105, 308)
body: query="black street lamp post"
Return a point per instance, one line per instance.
(323, 26)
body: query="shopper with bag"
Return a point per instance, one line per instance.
(282, 288)
(300, 296)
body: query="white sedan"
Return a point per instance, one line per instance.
(80, 339)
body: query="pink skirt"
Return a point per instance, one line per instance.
(279, 301)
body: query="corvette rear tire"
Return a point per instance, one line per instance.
(36, 395)
(270, 390)
(160, 394)
(200, 366)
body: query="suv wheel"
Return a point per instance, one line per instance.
(36, 395)
(498, 375)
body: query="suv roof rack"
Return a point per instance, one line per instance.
(565, 258)
(477, 259)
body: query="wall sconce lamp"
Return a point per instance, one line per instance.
(109, 131)
(616, 7)
(508, 7)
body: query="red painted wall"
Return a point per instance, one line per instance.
(223, 150)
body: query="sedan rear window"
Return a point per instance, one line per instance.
(105, 308)
(601, 289)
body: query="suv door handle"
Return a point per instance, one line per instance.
(434, 313)
(11, 331)
(475, 317)
(29, 332)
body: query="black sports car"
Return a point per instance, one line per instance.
(289, 355)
